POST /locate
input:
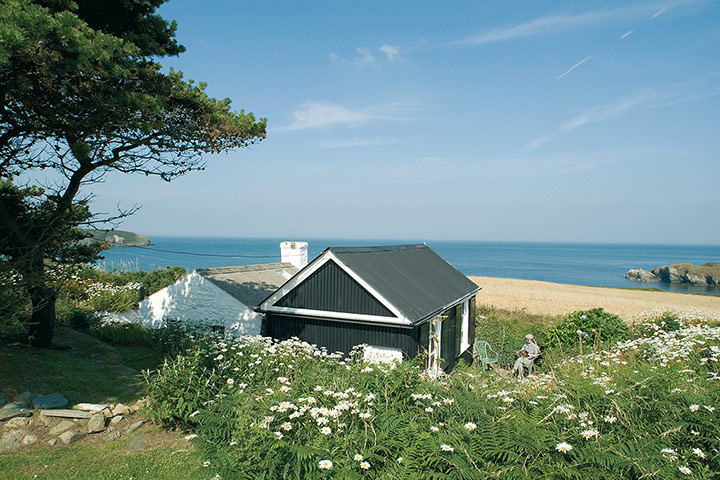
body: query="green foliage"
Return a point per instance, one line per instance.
(506, 330)
(595, 326)
(83, 95)
(263, 406)
(182, 386)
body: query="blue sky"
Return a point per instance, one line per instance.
(475, 120)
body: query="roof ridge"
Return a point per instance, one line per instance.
(244, 268)
(378, 248)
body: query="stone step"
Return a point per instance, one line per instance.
(65, 413)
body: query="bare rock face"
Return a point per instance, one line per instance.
(641, 275)
(671, 273)
(693, 279)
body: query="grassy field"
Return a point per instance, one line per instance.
(88, 371)
(94, 372)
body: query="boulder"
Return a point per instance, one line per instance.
(120, 409)
(54, 400)
(134, 427)
(640, 275)
(12, 441)
(29, 439)
(117, 419)
(15, 409)
(62, 427)
(96, 423)
(70, 437)
(52, 442)
(25, 397)
(18, 422)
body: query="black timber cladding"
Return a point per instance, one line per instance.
(338, 335)
(331, 289)
(412, 278)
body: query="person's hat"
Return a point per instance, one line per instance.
(529, 337)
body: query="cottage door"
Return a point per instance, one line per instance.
(434, 343)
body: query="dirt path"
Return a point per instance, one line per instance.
(559, 299)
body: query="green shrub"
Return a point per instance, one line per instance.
(592, 326)
(506, 330)
(124, 333)
(68, 313)
(180, 387)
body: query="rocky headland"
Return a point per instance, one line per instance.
(117, 238)
(707, 274)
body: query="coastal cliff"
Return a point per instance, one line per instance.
(700, 275)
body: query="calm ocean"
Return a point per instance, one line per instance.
(575, 263)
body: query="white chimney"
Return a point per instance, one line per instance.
(295, 253)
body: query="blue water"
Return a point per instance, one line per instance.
(574, 263)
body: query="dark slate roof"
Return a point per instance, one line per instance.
(413, 278)
(250, 284)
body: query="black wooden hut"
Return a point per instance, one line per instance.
(401, 300)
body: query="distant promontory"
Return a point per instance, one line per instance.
(118, 238)
(700, 275)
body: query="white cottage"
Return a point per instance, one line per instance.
(223, 298)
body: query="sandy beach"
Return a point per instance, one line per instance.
(559, 299)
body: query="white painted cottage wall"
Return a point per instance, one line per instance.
(196, 300)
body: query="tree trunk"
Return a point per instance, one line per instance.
(42, 323)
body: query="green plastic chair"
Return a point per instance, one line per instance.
(483, 352)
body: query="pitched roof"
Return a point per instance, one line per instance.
(411, 280)
(250, 283)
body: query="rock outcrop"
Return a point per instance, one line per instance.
(641, 275)
(704, 275)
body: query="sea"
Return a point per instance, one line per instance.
(591, 264)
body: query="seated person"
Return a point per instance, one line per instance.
(526, 355)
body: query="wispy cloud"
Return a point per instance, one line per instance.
(319, 114)
(365, 56)
(391, 52)
(659, 12)
(567, 21)
(574, 67)
(358, 143)
(626, 34)
(649, 98)
(549, 24)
